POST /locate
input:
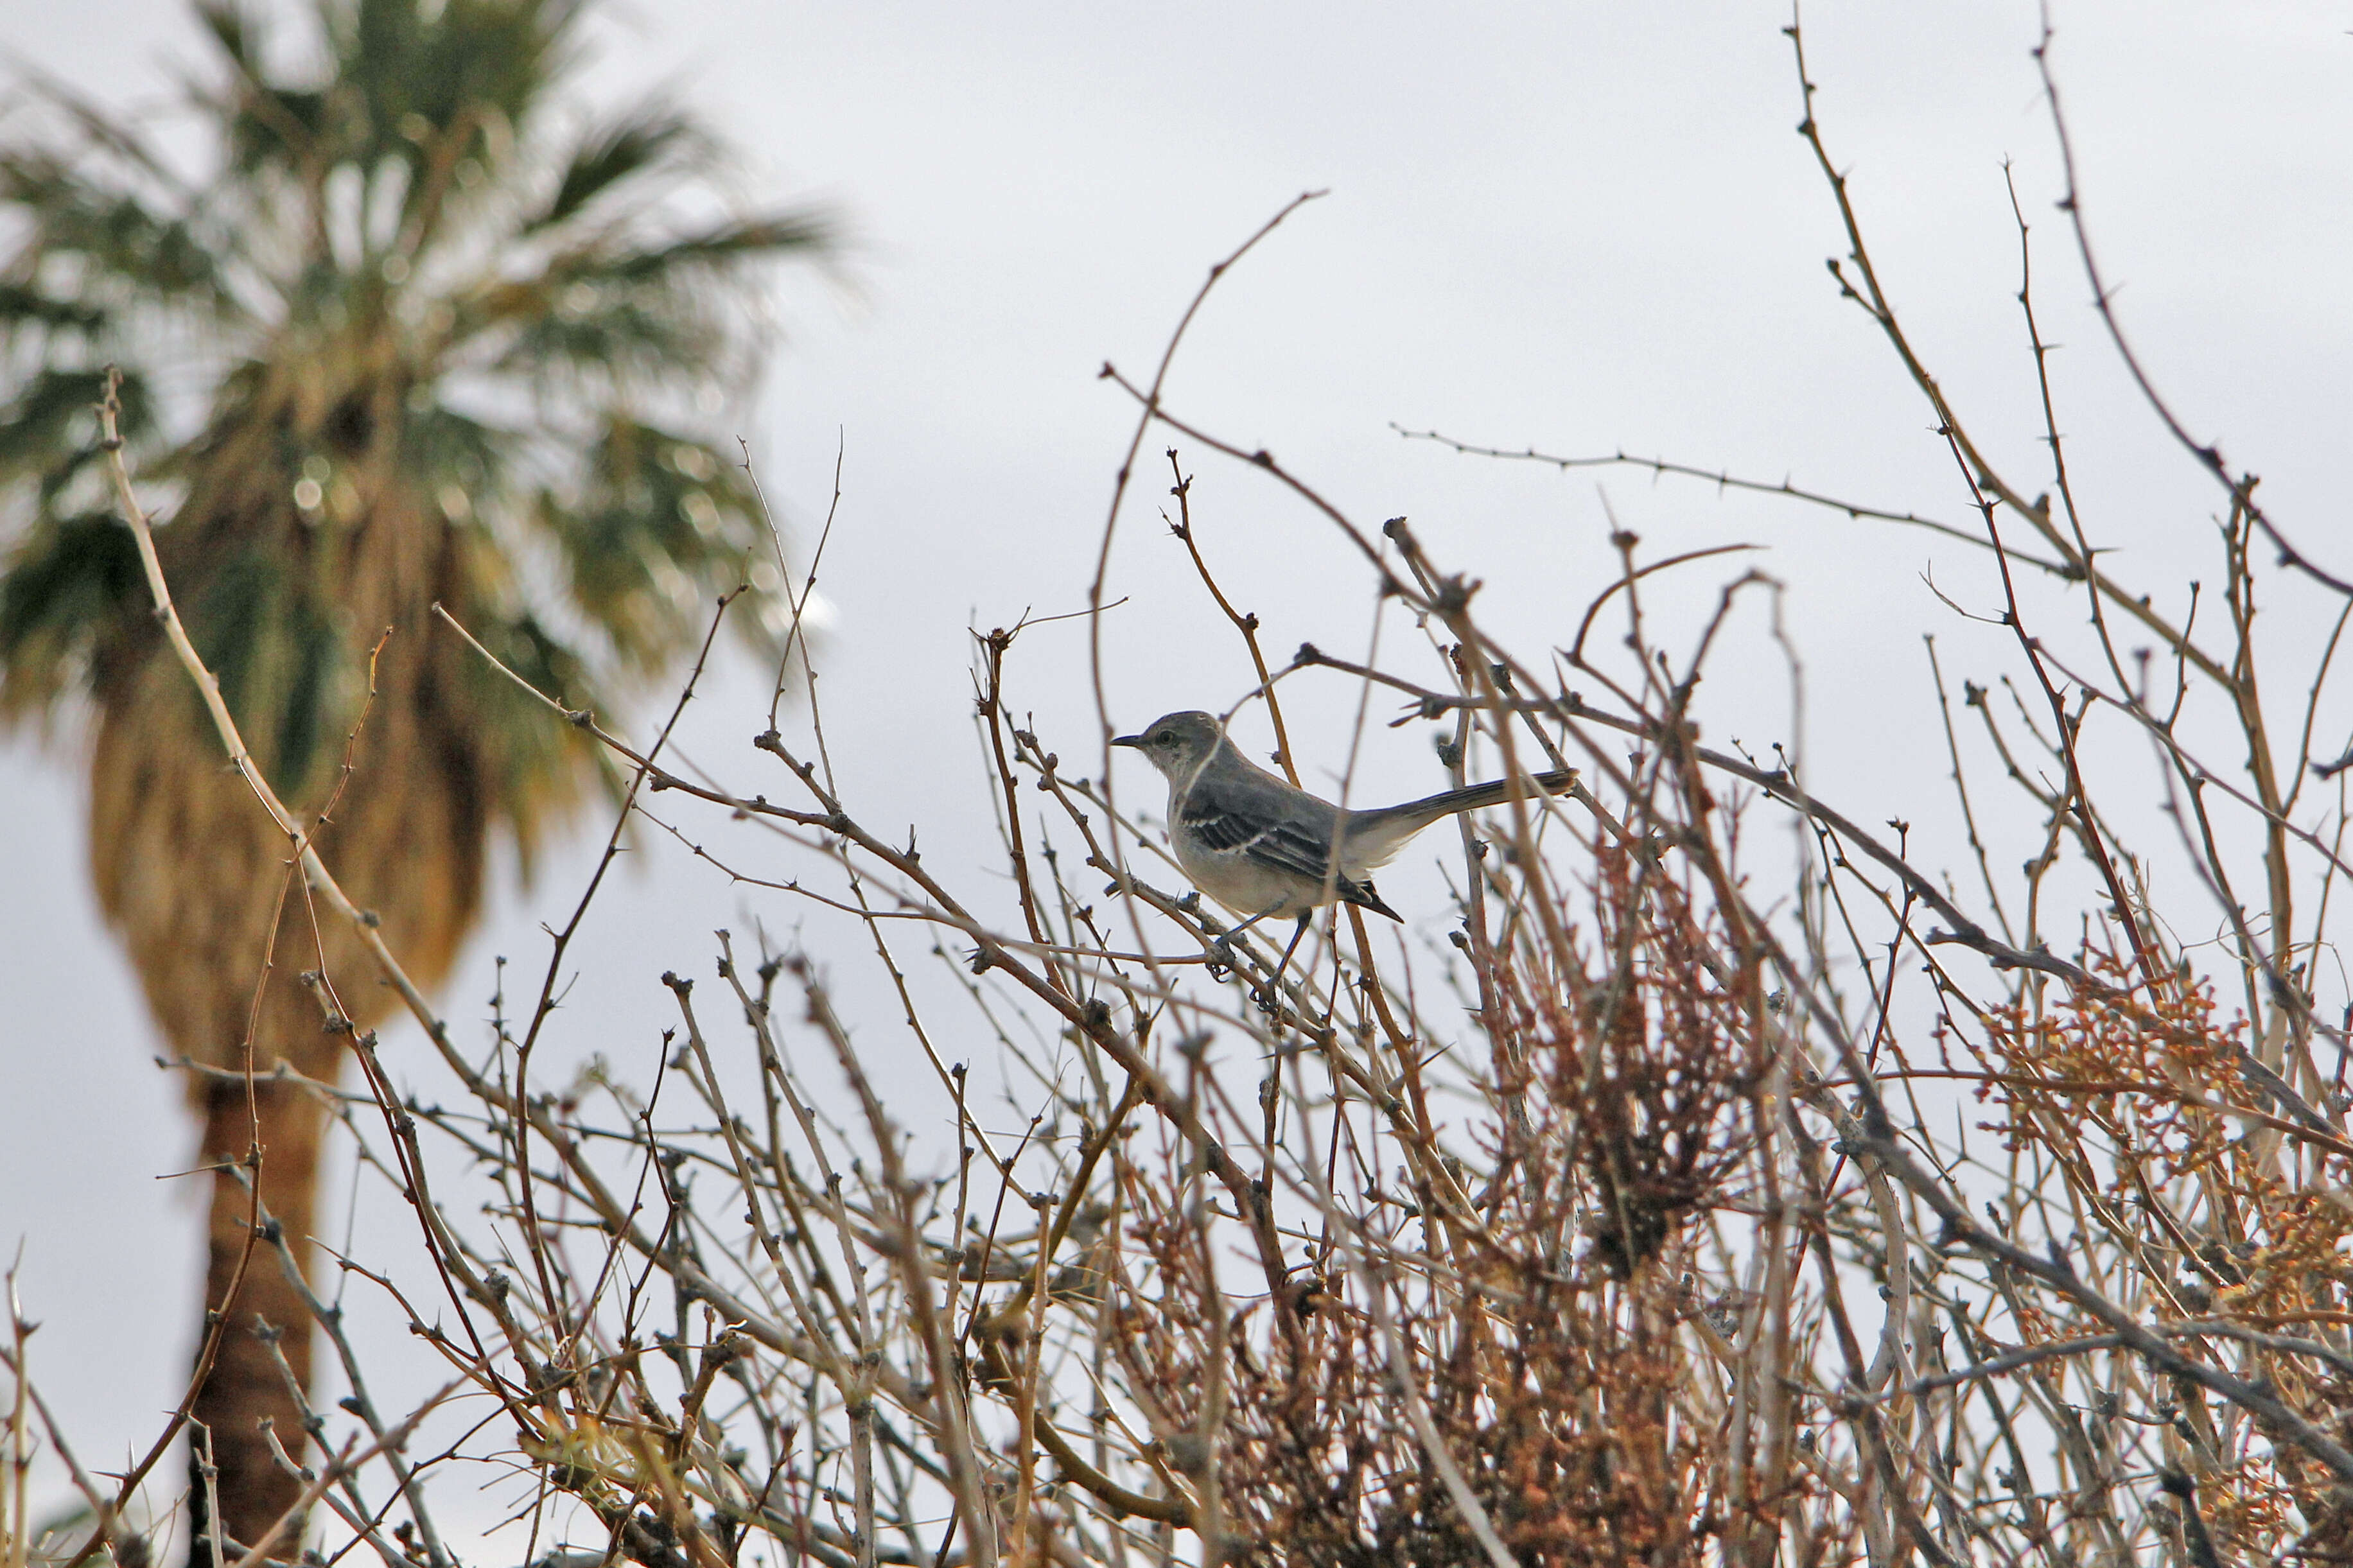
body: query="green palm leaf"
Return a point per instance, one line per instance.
(354, 391)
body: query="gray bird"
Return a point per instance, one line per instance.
(1263, 848)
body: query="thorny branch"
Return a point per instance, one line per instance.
(1552, 1239)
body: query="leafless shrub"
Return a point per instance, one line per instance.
(1657, 1271)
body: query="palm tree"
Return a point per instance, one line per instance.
(422, 330)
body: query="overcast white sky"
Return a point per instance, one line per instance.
(1581, 226)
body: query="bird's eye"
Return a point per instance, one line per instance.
(1165, 738)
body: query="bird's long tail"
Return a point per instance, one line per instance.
(1384, 831)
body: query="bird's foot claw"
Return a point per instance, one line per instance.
(1223, 959)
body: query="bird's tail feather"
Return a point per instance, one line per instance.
(1416, 815)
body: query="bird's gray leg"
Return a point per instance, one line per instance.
(1274, 987)
(1227, 953)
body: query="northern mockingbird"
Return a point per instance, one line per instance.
(1262, 849)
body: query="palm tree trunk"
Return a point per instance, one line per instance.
(196, 878)
(248, 1398)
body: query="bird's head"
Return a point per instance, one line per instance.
(1176, 743)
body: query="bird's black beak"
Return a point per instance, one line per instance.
(1135, 740)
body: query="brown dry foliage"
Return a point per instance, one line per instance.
(1679, 1211)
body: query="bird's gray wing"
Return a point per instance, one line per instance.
(1268, 838)
(1260, 816)
(1266, 827)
